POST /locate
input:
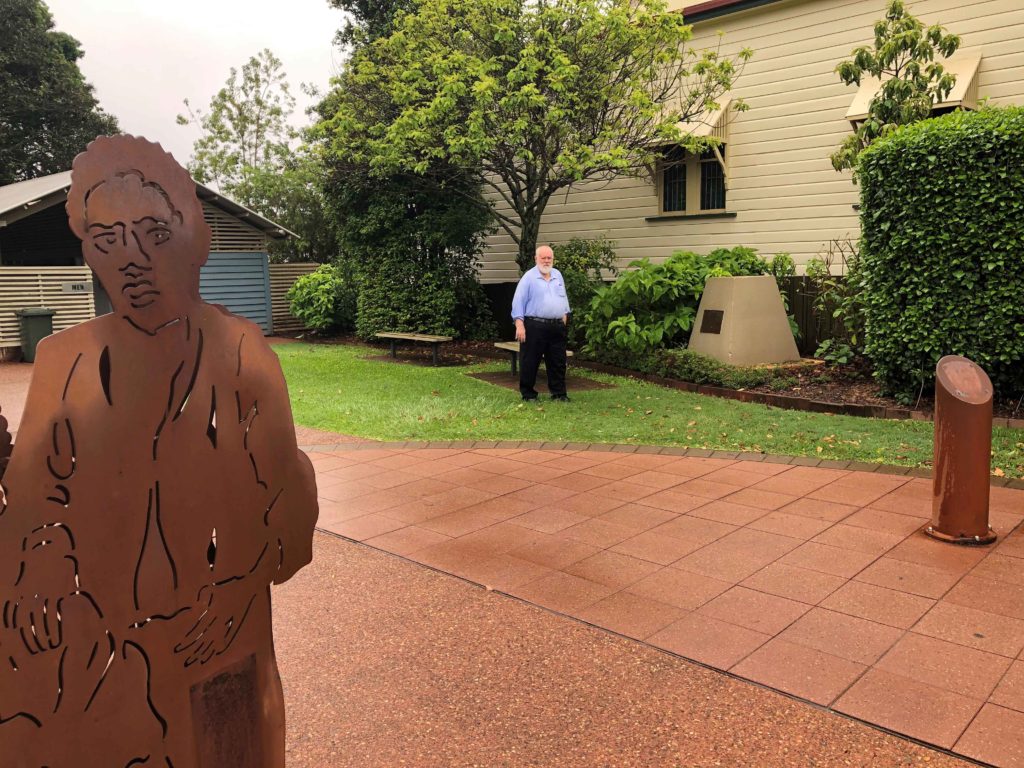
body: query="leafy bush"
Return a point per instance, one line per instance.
(654, 306)
(839, 287)
(415, 254)
(942, 215)
(324, 300)
(584, 265)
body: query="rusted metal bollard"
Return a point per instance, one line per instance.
(963, 444)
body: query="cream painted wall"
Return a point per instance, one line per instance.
(782, 187)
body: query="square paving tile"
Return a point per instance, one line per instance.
(945, 665)
(738, 555)
(996, 736)
(1010, 691)
(845, 636)
(973, 628)
(626, 491)
(907, 706)
(630, 615)
(404, 541)
(365, 527)
(1012, 546)
(885, 606)
(992, 596)
(844, 493)
(785, 484)
(794, 526)
(658, 480)
(908, 577)
(1000, 567)
(858, 539)
(345, 490)
(656, 547)
(904, 505)
(673, 500)
(887, 522)
(754, 497)
(503, 572)
(499, 484)
(638, 517)
(612, 569)
(536, 474)
(459, 523)
(334, 512)
(562, 592)
(540, 494)
(819, 510)
(610, 471)
(754, 610)
(576, 481)
(679, 588)
(919, 548)
(600, 533)
(708, 640)
(706, 488)
(727, 512)
(502, 508)
(500, 538)
(800, 584)
(548, 519)
(695, 529)
(736, 475)
(589, 503)
(800, 671)
(553, 552)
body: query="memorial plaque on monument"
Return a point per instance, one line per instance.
(154, 493)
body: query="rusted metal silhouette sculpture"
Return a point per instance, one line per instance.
(154, 493)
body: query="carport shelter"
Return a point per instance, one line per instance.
(41, 261)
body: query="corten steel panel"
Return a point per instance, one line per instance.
(154, 494)
(963, 447)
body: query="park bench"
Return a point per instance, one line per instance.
(424, 338)
(512, 347)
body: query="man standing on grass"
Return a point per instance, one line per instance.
(540, 309)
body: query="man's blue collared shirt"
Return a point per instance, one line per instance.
(537, 297)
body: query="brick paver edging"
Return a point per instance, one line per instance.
(799, 461)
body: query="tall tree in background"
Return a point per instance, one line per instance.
(912, 81)
(410, 238)
(529, 97)
(249, 150)
(48, 112)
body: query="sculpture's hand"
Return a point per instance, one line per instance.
(46, 577)
(217, 617)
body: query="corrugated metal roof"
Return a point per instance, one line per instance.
(24, 194)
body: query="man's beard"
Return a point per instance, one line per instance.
(544, 270)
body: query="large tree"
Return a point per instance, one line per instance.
(903, 59)
(48, 112)
(531, 96)
(249, 150)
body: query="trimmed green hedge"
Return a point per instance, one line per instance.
(942, 224)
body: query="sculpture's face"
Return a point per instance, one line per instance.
(140, 250)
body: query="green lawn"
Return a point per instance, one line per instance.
(334, 388)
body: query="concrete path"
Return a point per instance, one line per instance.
(814, 582)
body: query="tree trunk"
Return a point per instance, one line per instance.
(530, 222)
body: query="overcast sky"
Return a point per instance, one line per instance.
(144, 56)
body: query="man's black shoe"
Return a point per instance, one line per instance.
(561, 398)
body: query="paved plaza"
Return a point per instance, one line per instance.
(559, 605)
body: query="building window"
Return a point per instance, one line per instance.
(673, 197)
(692, 184)
(712, 181)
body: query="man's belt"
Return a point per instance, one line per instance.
(546, 320)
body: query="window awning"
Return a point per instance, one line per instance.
(964, 93)
(711, 123)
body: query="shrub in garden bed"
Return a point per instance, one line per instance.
(684, 365)
(942, 250)
(654, 306)
(324, 300)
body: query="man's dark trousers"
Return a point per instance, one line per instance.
(544, 340)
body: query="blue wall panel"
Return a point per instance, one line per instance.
(241, 282)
